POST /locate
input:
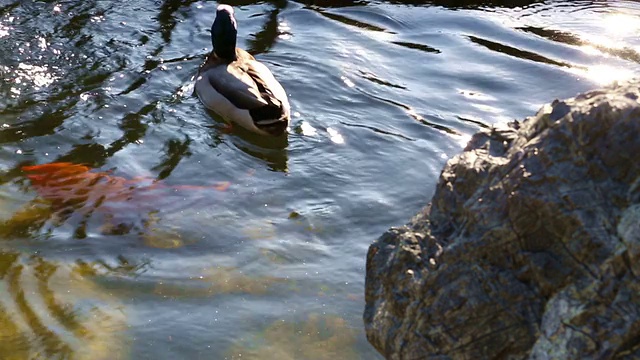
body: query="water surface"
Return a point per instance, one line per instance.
(251, 248)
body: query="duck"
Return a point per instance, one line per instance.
(236, 86)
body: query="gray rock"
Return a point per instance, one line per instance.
(530, 247)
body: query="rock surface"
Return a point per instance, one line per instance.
(530, 247)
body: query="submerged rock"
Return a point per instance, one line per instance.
(530, 247)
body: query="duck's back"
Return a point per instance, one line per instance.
(244, 91)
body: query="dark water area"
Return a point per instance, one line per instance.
(180, 238)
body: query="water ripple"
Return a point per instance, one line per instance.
(515, 52)
(625, 53)
(421, 47)
(357, 23)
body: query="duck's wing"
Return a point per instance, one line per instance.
(236, 85)
(246, 83)
(270, 89)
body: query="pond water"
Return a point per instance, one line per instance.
(184, 239)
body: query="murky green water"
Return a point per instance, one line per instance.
(248, 248)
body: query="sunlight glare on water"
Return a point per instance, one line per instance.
(4, 30)
(604, 74)
(335, 136)
(307, 129)
(619, 24)
(27, 76)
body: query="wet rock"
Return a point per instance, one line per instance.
(530, 247)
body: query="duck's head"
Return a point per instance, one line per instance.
(224, 32)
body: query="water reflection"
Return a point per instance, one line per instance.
(273, 152)
(42, 125)
(167, 18)
(52, 310)
(91, 154)
(264, 39)
(175, 151)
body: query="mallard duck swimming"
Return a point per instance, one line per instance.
(236, 86)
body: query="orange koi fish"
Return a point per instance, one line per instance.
(66, 184)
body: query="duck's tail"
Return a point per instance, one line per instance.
(271, 118)
(273, 127)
